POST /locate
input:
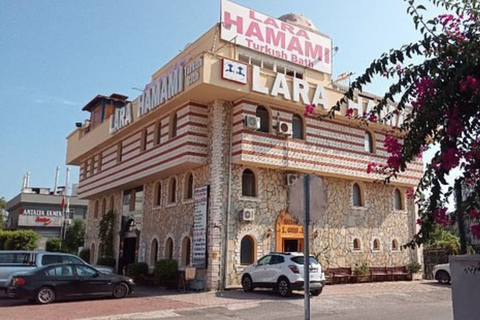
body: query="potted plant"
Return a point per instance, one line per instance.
(362, 272)
(415, 270)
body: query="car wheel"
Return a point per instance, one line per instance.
(45, 295)
(120, 290)
(247, 283)
(442, 277)
(283, 287)
(317, 292)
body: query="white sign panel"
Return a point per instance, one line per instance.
(39, 221)
(465, 272)
(200, 227)
(234, 71)
(274, 37)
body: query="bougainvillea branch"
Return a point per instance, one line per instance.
(440, 98)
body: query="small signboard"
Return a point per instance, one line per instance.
(199, 250)
(318, 198)
(234, 71)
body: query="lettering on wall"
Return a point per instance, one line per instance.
(41, 212)
(192, 73)
(300, 89)
(121, 118)
(160, 90)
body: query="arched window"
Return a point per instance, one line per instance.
(394, 245)
(264, 116)
(186, 249)
(169, 249)
(368, 142)
(92, 253)
(95, 210)
(188, 189)
(357, 195)
(158, 133)
(172, 190)
(248, 183)
(173, 126)
(376, 245)
(154, 252)
(357, 246)
(297, 127)
(398, 200)
(104, 206)
(157, 194)
(112, 202)
(247, 252)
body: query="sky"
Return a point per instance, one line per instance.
(55, 56)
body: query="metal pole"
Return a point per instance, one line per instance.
(306, 249)
(460, 217)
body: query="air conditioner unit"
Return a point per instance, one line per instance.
(284, 128)
(290, 179)
(248, 214)
(252, 122)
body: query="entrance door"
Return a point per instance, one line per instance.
(291, 245)
(129, 245)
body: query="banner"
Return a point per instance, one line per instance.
(274, 37)
(199, 251)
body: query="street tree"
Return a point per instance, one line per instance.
(440, 100)
(74, 236)
(3, 213)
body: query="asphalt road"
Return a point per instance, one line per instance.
(372, 301)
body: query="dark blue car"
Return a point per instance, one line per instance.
(68, 281)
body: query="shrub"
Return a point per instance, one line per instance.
(165, 270)
(53, 245)
(20, 240)
(362, 270)
(106, 261)
(85, 254)
(414, 267)
(138, 271)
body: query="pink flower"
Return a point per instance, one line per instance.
(419, 221)
(410, 194)
(475, 230)
(309, 108)
(349, 112)
(450, 159)
(440, 216)
(474, 213)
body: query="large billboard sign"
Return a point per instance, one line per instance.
(274, 37)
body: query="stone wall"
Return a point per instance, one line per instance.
(332, 234)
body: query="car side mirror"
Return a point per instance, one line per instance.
(96, 275)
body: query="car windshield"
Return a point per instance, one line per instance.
(301, 260)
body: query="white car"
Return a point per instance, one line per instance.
(441, 273)
(283, 272)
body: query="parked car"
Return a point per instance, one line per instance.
(441, 273)
(283, 272)
(20, 262)
(68, 280)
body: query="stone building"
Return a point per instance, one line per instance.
(199, 167)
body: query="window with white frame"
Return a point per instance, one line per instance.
(248, 183)
(376, 246)
(357, 196)
(398, 202)
(264, 116)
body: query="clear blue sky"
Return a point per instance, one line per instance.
(55, 56)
